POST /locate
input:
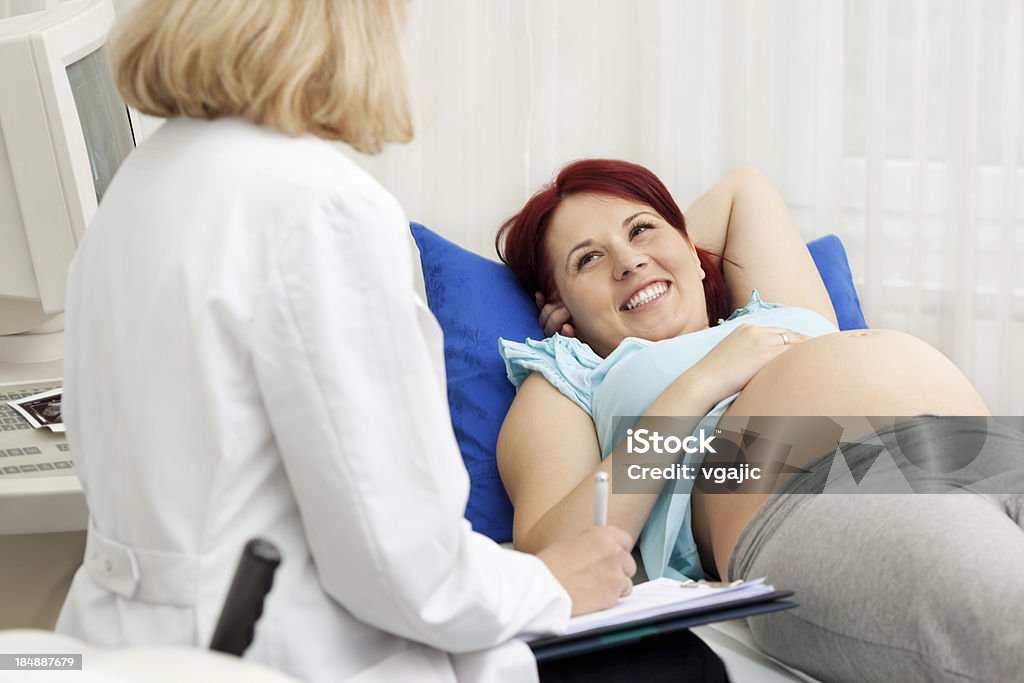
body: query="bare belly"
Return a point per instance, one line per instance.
(854, 373)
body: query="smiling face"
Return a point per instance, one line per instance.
(622, 271)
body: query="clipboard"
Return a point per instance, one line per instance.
(552, 648)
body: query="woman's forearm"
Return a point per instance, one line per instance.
(708, 218)
(742, 206)
(744, 223)
(689, 395)
(573, 514)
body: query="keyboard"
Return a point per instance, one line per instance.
(26, 451)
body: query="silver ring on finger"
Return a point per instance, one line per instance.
(785, 339)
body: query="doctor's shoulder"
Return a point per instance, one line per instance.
(324, 190)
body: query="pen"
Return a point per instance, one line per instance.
(601, 499)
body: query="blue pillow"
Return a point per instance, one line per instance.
(830, 258)
(477, 300)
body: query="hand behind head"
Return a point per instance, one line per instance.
(554, 317)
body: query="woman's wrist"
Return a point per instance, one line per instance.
(694, 389)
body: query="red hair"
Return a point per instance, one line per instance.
(520, 241)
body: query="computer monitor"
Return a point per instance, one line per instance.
(63, 133)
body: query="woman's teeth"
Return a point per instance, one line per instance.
(646, 294)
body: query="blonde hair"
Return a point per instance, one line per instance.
(330, 68)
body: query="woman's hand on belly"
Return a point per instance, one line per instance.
(730, 366)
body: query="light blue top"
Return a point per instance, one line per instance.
(624, 385)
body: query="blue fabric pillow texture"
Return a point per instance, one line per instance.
(477, 300)
(830, 258)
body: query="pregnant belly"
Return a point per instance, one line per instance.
(845, 376)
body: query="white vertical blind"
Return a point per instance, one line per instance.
(961, 192)
(895, 124)
(919, 157)
(826, 46)
(875, 139)
(1009, 229)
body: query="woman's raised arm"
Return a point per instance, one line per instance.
(745, 219)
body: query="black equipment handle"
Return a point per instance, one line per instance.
(244, 603)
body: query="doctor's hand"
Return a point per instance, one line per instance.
(554, 317)
(595, 568)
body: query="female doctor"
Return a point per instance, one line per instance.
(246, 357)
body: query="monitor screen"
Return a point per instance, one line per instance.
(104, 117)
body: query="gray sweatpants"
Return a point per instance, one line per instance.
(897, 587)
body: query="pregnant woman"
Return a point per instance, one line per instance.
(723, 315)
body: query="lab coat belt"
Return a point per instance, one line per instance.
(165, 578)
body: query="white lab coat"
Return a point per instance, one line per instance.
(246, 356)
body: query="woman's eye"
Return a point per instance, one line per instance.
(585, 259)
(640, 228)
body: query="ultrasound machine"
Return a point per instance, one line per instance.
(63, 133)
